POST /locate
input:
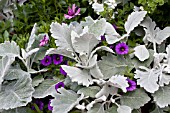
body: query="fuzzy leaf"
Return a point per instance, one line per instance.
(162, 35)
(134, 19)
(148, 78)
(124, 109)
(18, 92)
(85, 44)
(162, 97)
(111, 34)
(37, 80)
(65, 100)
(9, 49)
(141, 52)
(63, 52)
(62, 34)
(46, 88)
(89, 91)
(145, 63)
(135, 99)
(119, 81)
(111, 65)
(96, 28)
(18, 110)
(5, 64)
(98, 108)
(82, 77)
(32, 37)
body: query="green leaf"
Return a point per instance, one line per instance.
(18, 92)
(113, 109)
(135, 99)
(65, 100)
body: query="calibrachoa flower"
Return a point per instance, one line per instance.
(122, 48)
(44, 41)
(49, 106)
(114, 26)
(39, 103)
(57, 59)
(58, 85)
(72, 12)
(103, 38)
(46, 61)
(132, 85)
(62, 71)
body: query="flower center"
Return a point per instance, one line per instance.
(122, 49)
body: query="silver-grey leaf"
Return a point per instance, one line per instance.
(134, 19)
(96, 28)
(111, 65)
(37, 80)
(141, 52)
(135, 99)
(124, 109)
(65, 100)
(82, 77)
(18, 92)
(18, 110)
(46, 88)
(98, 108)
(148, 78)
(90, 91)
(85, 43)
(62, 34)
(9, 49)
(162, 97)
(5, 64)
(162, 35)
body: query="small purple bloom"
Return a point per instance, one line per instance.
(72, 12)
(122, 48)
(62, 71)
(58, 85)
(46, 61)
(57, 59)
(111, 46)
(39, 103)
(44, 41)
(103, 38)
(114, 26)
(132, 85)
(49, 106)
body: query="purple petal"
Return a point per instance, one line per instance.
(68, 16)
(62, 71)
(77, 12)
(58, 85)
(74, 8)
(49, 106)
(57, 59)
(46, 61)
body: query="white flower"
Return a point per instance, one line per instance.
(111, 3)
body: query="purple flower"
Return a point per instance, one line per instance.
(62, 71)
(103, 38)
(72, 12)
(44, 41)
(114, 26)
(111, 46)
(58, 85)
(132, 85)
(39, 103)
(46, 61)
(57, 59)
(49, 106)
(122, 48)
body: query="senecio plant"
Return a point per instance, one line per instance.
(117, 79)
